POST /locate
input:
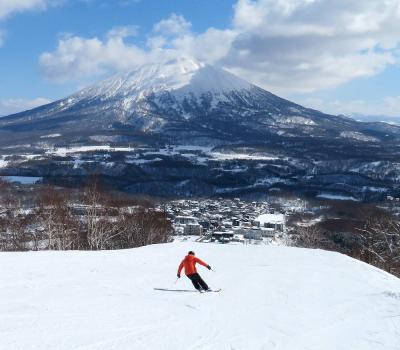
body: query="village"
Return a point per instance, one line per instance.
(227, 221)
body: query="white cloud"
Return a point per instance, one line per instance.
(210, 46)
(173, 25)
(123, 31)
(392, 105)
(305, 45)
(388, 106)
(77, 58)
(8, 7)
(282, 45)
(16, 105)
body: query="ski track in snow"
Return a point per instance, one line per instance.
(272, 298)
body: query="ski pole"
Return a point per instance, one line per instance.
(176, 280)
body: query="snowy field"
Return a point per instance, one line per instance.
(272, 298)
(24, 180)
(3, 163)
(336, 197)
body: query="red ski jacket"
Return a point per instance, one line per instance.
(189, 263)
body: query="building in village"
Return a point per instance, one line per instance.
(270, 224)
(224, 220)
(252, 233)
(188, 226)
(222, 236)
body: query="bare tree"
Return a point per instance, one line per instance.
(57, 220)
(14, 223)
(97, 221)
(311, 236)
(381, 242)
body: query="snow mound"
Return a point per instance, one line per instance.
(272, 298)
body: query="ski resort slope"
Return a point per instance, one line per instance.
(272, 298)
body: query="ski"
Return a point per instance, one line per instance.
(187, 290)
(175, 290)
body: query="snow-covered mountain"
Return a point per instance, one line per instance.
(181, 77)
(143, 118)
(272, 298)
(170, 98)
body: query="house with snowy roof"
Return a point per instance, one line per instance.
(270, 223)
(187, 225)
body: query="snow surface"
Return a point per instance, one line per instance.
(272, 298)
(50, 136)
(241, 156)
(270, 219)
(63, 151)
(337, 197)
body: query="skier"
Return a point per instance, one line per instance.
(189, 263)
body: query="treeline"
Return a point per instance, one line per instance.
(365, 232)
(90, 219)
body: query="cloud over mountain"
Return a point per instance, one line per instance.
(285, 46)
(305, 45)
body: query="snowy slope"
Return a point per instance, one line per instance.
(272, 298)
(148, 90)
(185, 75)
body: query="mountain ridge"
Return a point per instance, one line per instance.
(156, 108)
(175, 85)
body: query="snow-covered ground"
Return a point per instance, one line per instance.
(358, 136)
(337, 197)
(3, 163)
(272, 298)
(24, 180)
(64, 151)
(50, 136)
(241, 156)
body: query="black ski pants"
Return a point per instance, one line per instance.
(197, 281)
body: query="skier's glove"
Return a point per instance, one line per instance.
(178, 275)
(209, 267)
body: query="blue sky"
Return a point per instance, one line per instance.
(335, 55)
(30, 33)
